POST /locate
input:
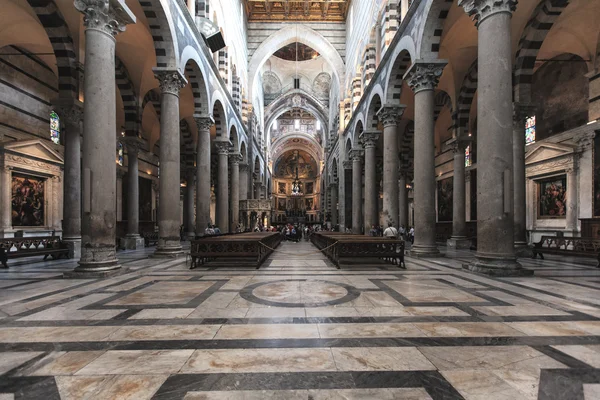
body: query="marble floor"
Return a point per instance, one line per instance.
(298, 328)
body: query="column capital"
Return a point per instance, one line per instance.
(133, 144)
(369, 138)
(389, 115)
(244, 167)
(357, 154)
(522, 111)
(235, 158)
(424, 75)
(459, 144)
(585, 142)
(108, 16)
(223, 146)
(203, 122)
(69, 110)
(170, 81)
(347, 164)
(481, 9)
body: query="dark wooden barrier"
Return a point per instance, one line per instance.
(568, 246)
(243, 249)
(340, 247)
(32, 246)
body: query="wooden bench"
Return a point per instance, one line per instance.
(150, 238)
(32, 246)
(340, 247)
(242, 249)
(568, 246)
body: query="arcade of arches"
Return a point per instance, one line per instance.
(130, 128)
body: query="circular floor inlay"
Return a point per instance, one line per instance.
(299, 293)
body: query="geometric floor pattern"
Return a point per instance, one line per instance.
(298, 328)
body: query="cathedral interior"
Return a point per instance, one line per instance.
(300, 199)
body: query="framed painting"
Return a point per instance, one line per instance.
(444, 203)
(28, 200)
(552, 197)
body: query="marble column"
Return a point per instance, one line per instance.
(356, 155)
(459, 224)
(243, 181)
(133, 240)
(520, 113)
(235, 159)
(334, 200)
(571, 201)
(5, 202)
(71, 115)
(98, 225)
(495, 222)
(423, 77)
(223, 186)
(257, 188)
(203, 123)
(188, 204)
(402, 199)
(369, 139)
(389, 116)
(169, 214)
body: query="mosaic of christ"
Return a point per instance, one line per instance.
(286, 165)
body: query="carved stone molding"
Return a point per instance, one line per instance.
(585, 142)
(357, 154)
(370, 138)
(389, 115)
(236, 158)
(347, 164)
(27, 162)
(223, 147)
(204, 122)
(104, 16)
(424, 75)
(559, 164)
(71, 114)
(520, 112)
(244, 167)
(481, 9)
(170, 81)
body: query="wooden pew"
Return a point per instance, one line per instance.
(568, 246)
(32, 246)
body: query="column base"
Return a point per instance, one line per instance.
(190, 236)
(97, 261)
(132, 242)
(497, 266)
(459, 242)
(421, 251)
(74, 246)
(75, 274)
(168, 248)
(522, 250)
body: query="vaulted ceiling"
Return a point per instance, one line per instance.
(303, 10)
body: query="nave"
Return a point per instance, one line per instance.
(298, 328)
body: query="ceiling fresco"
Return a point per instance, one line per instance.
(303, 10)
(286, 165)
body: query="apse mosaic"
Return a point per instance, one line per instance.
(293, 160)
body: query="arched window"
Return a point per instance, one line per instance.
(120, 153)
(530, 130)
(54, 127)
(468, 160)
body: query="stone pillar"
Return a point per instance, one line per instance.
(235, 159)
(371, 185)
(495, 233)
(402, 200)
(5, 202)
(203, 124)
(169, 214)
(344, 202)
(257, 188)
(133, 240)
(243, 181)
(389, 116)
(571, 201)
(188, 205)
(71, 115)
(356, 155)
(520, 113)
(423, 77)
(223, 186)
(334, 200)
(459, 224)
(98, 225)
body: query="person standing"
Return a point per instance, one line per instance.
(390, 232)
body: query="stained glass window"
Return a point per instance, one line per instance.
(468, 160)
(54, 127)
(120, 153)
(530, 130)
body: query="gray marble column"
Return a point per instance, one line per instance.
(5, 202)
(188, 204)
(334, 200)
(133, 240)
(98, 225)
(344, 202)
(495, 198)
(389, 116)
(423, 77)
(356, 155)
(369, 139)
(203, 123)
(169, 211)
(402, 199)
(235, 159)
(571, 201)
(520, 113)
(243, 181)
(223, 186)
(459, 224)
(71, 115)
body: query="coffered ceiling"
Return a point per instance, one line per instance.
(303, 10)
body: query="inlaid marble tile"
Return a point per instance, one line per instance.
(469, 329)
(163, 313)
(481, 385)
(591, 391)
(61, 363)
(123, 387)
(137, 362)
(164, 293)
(10, 360)
(397, 311)
(380, 359)
(369, 330)
(165, 332)
(268, 331)
(589, 354)
(552, 328)
(276, 312)
(521, 310)
(56, 333)
(436, 311)
(332, 311)
(431, 291)
(340, 394)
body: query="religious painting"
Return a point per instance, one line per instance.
(309, 204)
(281, 204)
(444, 203)
(281, 188)
(552, 197)
(27, 201)
(309, 187)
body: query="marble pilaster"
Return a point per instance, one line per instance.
(572, 200)
(459, 224)
(5, 201)
(133, 240)
(203, 123)
(102, 23)
(423, 77)
(369, 139)
(356, 155)
(223, 147)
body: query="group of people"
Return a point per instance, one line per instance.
(392, 232)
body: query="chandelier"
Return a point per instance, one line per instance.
(297, 186)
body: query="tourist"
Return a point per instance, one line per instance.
(411, 234)
(390, 232)
(373, 231)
